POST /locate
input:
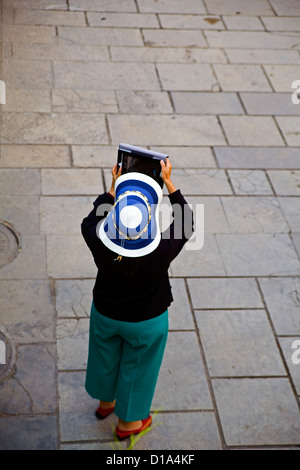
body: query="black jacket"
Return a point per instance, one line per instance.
(136, 289)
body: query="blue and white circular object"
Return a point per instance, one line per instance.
(132, 226)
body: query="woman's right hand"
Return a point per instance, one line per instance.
(166, 169)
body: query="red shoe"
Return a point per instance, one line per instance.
(102, 413)
(124, 434)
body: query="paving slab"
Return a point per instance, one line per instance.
(282, 76)
(241, 78)
(93, 76)
(63, 215)
(206, 103)
(285, 182)
(193, 77)
(22, 212)
(182, 363)
(99, 36)
(282, 300)
(88, 101)
(77, 411)
(32, 388)
(31, 128)
(289, 126)
(296, 241)
(30, 262)
(167, 130)
(254, 215)
(239, 343)
(291, 209)
(28, 34)
(94, 156)
(61, 52)
(289, 347)
(251, 40)
(192, 157)
(69, 257)
(173, 38)
(250, 182)
(257, 157)
(161, 6)
(170, 55)
(229, 296)
(35, 4)
(234, 7)
(215, 220)
(144, 102)
(36, 373)
(206, 261)
(122, 20)
(263, 56)
(71, 181)
(28, 433)
(20, 182)
(181, 21)
(269, 104)
(198, 431)
(243, 23)
(102, 5)
(257, 411)
(35, 156)
(73, 298)
(258, 254)
(201, 181)
(46, 17)
(289, 8)
(25, 324)
(251, 131)
(72, 343)
(281, 24)
(28, 100)
(180, 315)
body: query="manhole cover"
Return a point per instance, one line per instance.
(7, 357)
(9, 243)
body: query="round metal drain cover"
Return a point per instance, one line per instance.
(7, 357)
(9, 243)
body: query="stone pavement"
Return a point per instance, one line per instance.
(209, 82)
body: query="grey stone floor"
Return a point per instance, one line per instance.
(209, 82)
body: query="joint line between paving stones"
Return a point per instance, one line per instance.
(108, 130)
(223, 131)
(215, 157)
(238, 94)
(202, 355)
(220, 254)
(52, 282)
(280, 131)
(270, 182)
(71, 158)
(136, 6)
(271, 7)
(285, 365)
(290, 233)
(86, 19)
(103, 180)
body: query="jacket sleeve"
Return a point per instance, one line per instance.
(182, 226)
(102, 205)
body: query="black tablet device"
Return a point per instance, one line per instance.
(145, 161)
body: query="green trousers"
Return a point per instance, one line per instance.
(124, 361)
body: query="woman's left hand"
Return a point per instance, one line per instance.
(115, 175)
